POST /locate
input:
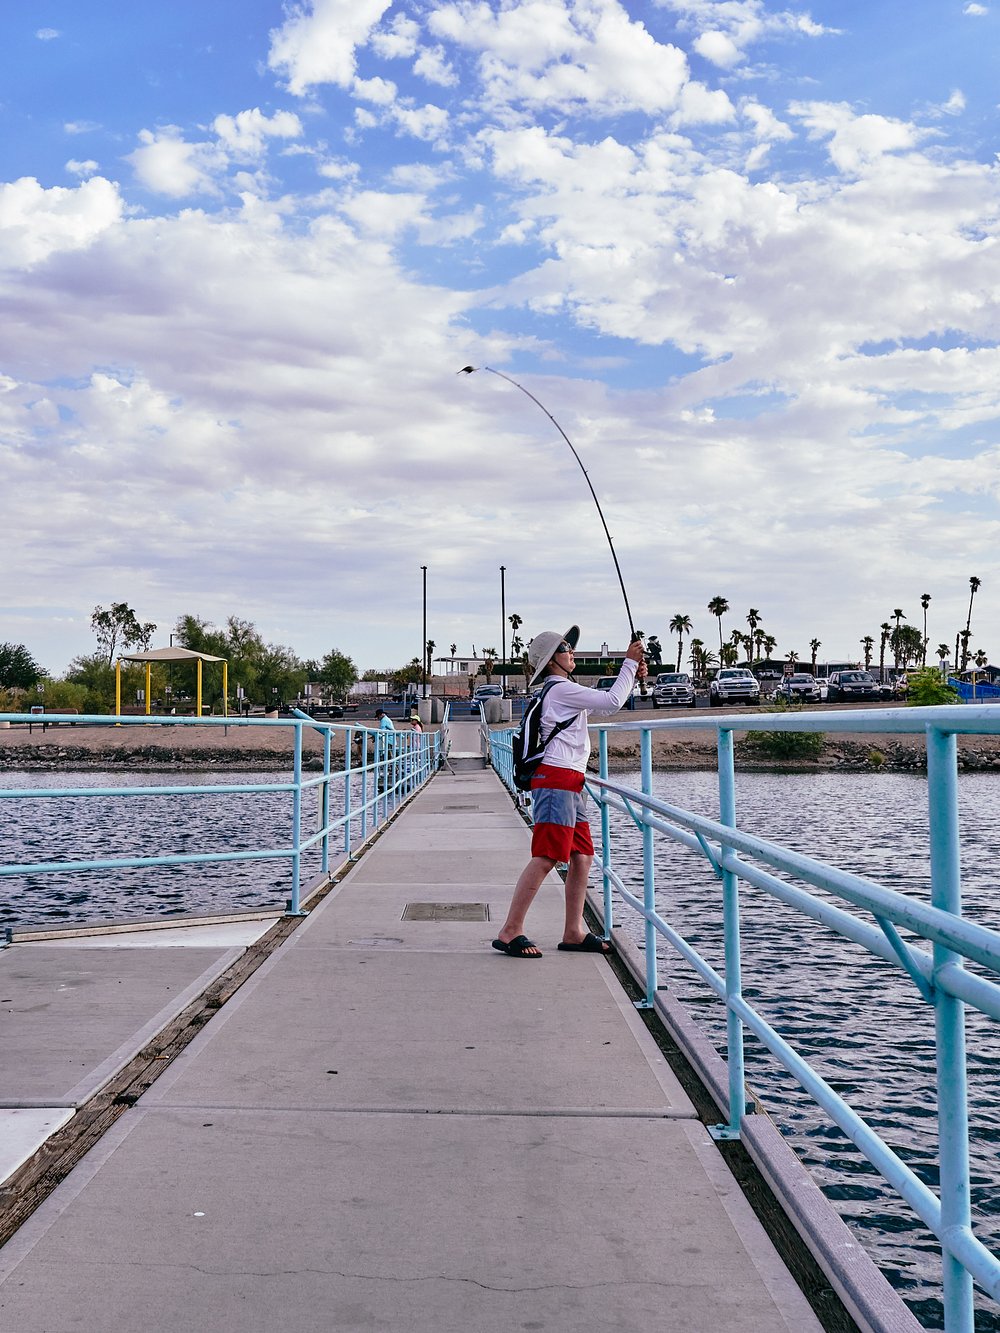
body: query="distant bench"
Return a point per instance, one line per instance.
(46, 722)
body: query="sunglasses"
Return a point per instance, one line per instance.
(565, 648)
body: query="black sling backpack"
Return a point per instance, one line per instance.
(527, 744)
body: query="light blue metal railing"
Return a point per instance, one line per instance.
(380, 770)
(939, 973)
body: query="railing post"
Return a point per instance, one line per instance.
(602, 750)
(364, 784)
(949, 1025)
(648, 873)
(325, 800)
(294, 908)
(348, 778)
(734, 967)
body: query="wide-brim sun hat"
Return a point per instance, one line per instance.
(543, 648)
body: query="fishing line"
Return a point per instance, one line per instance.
(470, 370)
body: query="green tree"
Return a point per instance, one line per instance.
(906, 644)
(753, 620)
(768, 644)
(886, 630)
(96, 677)
(974, 586)
(654, 652)
(118, 629)
(868, 644)
(18, 669)
(718, 607)
(411, 674)
(897, 616)
(928, 687)
(338, 671)
(57, 695)
(680, 625)
(925, 601)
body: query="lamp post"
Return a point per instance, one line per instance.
(423, 651)
(503, 633)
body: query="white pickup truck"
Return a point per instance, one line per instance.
(734, 685)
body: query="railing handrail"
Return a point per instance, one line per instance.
(400, 762)
(938, 973)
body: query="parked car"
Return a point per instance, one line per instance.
(484, 692)
(673, 689)
(800, 687)
(734, 685)
(845, 686)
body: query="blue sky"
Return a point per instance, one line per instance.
(745, 253)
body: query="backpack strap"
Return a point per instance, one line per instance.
(559, 726)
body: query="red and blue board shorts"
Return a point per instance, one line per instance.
(559, 814)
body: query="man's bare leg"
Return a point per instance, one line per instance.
(575, 930)
(528, 884)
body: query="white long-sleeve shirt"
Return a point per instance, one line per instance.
(568, 700)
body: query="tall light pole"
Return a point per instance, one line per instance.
(423, 650)
(503, 633)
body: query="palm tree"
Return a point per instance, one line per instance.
(942, 651)
(974, 585)
(815, 646)
(897, 616)
(739, 640)
(680, 625)
(431, 645)
(982, 658)
(768, 643)
(792, 659)
(729, 653)
(453, 648)
(718, 606)
(886, 629)
(868, 643)
(925, 601)
(697, 653)
(753, 620)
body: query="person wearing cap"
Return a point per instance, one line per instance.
(561, 831)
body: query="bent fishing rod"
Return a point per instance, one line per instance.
(471, 370)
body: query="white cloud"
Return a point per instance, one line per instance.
(316, 44)
(36, 223)
(433, 65)
(398, 40)
(382, 92)
(766, 125)
(81, 126)
(87, 168)
(719, 49)
(423, 122)
(571, 56)
(47, 34)
(245, 135)
(167, 164)
(975, 10)
(856, 142)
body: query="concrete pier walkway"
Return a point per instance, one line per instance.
(392, 1126)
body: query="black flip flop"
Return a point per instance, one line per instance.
(517, 947)
(589, 944)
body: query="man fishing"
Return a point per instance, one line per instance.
(561, 830)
